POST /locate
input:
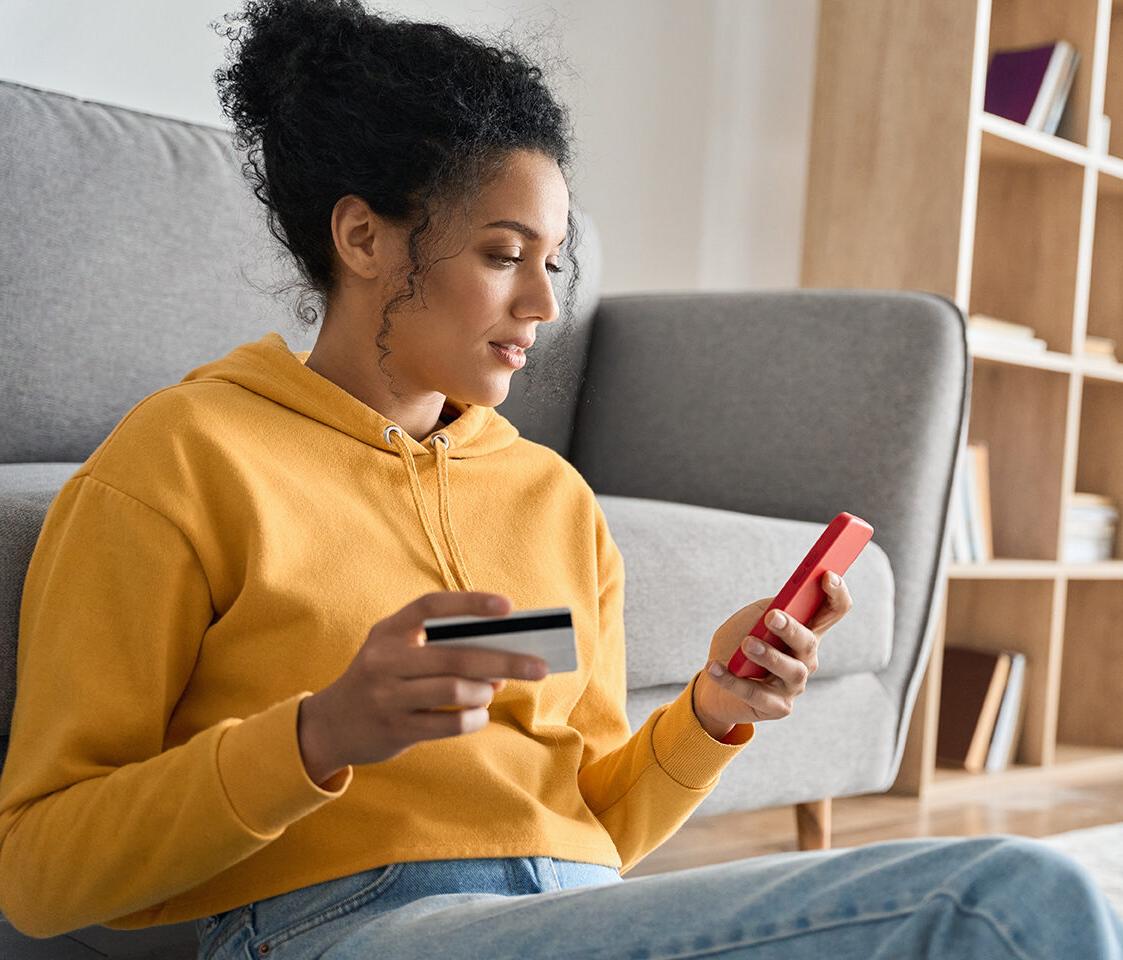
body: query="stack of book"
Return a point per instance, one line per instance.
(1089, 528)
(1100, 350)
(1030, 85)
(984, 331)
(972, 539)
(982, 708)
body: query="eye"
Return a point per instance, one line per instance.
(552, 267)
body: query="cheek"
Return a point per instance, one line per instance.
(480, 305)
(486, 287)
(466, 302)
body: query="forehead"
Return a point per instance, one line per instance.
(529, 196)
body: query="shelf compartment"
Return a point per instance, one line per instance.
(1027, 233)
(1008, 404)
(1092, 666)
(1072, 764)
(1099, 460)
(1013, 615)
(1029, 23)
(1105, 299)
(1113, 94)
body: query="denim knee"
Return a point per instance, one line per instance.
(1040, 873)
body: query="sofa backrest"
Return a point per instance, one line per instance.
(134, 250)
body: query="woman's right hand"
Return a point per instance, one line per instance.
(384, 701)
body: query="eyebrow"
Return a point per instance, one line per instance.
(519, 227)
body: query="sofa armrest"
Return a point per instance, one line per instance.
(794, 404)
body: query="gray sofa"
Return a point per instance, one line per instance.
(721, 431)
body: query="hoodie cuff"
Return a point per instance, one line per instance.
(686, 751)
(260, 766)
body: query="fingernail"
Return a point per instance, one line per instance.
(777, 620)
(497, 603)
(716, 669)
(833, 578)
(755, 646)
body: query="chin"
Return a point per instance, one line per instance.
(484, 397)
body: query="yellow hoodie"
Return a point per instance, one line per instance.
(222, 555)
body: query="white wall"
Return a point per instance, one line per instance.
(691, 118)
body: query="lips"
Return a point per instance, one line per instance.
(515, 358)
(523, 343)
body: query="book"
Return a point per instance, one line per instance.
(979, 338)
(1011, 713)
(960, 535)
(1090, 524)
(1030, 85)
(1100, 349)
(985, 534)
(985, 323)
(971, 687)
(985, 331)
(972, 531)
(1057, 96)
(972, 505)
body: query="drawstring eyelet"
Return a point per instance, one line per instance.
(390, 429)
(441, 436)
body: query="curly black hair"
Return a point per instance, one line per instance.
(332, 99)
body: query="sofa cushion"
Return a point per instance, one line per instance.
(26, 491)
(688, 568)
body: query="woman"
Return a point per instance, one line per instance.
(239, 746)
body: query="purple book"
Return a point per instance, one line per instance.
(1013, 80)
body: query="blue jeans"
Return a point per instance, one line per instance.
(983, 898)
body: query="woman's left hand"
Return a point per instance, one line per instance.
(722, 702)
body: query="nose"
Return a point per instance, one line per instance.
(539, 300)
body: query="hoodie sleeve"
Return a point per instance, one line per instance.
(97, 818)
(641, 786)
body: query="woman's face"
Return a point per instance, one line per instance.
(487, 283)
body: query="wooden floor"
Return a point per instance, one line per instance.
(1033, 810)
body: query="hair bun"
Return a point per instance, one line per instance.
(278, 48)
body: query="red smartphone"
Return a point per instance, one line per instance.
(837, 547)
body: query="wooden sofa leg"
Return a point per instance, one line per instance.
(813, 824)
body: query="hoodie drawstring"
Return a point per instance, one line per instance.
(393, 435)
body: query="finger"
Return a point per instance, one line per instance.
(837, 606)
(435, 724)
(801, 640)
(475, 662)
(792, 672)
(760, 696)
(838, 593)
(428, 693)
(479, 663)
(449, 603)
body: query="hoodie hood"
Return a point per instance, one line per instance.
(269, 368)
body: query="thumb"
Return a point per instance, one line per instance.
(717, 672)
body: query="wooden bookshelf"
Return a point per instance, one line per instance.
(912, 186)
